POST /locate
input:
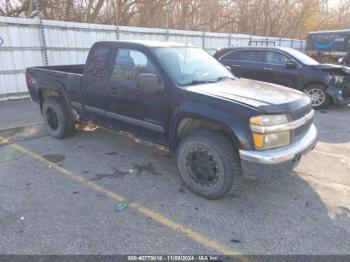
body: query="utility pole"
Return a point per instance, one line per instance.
(117, 19)
(167, 19)
(42, 32)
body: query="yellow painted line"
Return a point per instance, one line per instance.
(177, 227)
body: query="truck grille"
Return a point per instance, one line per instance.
(299, 132)
(300, 113)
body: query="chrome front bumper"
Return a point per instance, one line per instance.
(279, 155)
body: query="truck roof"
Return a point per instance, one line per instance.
(148, 43)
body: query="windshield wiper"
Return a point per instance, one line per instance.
(208, 81)
(197, 82)
(220, 78)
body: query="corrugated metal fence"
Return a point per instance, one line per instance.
(69, 43)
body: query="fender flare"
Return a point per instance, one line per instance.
(60, 90)
(231, 123)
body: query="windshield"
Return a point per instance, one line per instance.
(190, 65)
(305, 59)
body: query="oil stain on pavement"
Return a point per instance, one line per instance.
(55, 158)
(145, 166)
(116, 174)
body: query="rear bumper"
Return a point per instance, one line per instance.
(279, 155)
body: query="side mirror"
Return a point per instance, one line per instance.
(149, 82)
(291, 65)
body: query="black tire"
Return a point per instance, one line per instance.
(223, 164)
(319, 98)
(57, 118)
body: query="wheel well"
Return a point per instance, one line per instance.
(189, 124)
(46, 92)
(322, 84)
(313, 83)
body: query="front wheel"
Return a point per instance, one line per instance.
(319, 98)
(209, 164)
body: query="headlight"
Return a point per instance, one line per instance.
(271, 140)
(338, 79)
(268, 120)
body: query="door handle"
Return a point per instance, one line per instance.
(113, 90)
(267, 69)
(235, 66)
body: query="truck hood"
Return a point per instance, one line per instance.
(269, 98)
(337, 69)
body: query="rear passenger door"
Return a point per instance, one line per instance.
(246, 63)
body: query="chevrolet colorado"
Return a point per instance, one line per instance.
(182, 98)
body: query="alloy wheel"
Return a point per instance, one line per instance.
(317, 95)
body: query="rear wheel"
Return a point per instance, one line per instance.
(319, 98)
(209, 164)
(56, 118)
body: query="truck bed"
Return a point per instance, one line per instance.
(73, 69)
(67, 77)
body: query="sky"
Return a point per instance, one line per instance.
(333, 3)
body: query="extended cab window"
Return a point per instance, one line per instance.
(276, 58)
(99, 60)
(129, 63)
(251, 56)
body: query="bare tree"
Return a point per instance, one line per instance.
(288, 18)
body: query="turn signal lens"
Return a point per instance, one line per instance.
(256, 120)
(268, 120)
(258, 140)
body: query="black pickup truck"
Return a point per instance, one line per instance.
(180, 97)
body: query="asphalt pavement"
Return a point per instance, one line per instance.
(100, 192)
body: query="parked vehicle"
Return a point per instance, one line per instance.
(182, 98)
(324, 83)
(344, 60)
(328, 46)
